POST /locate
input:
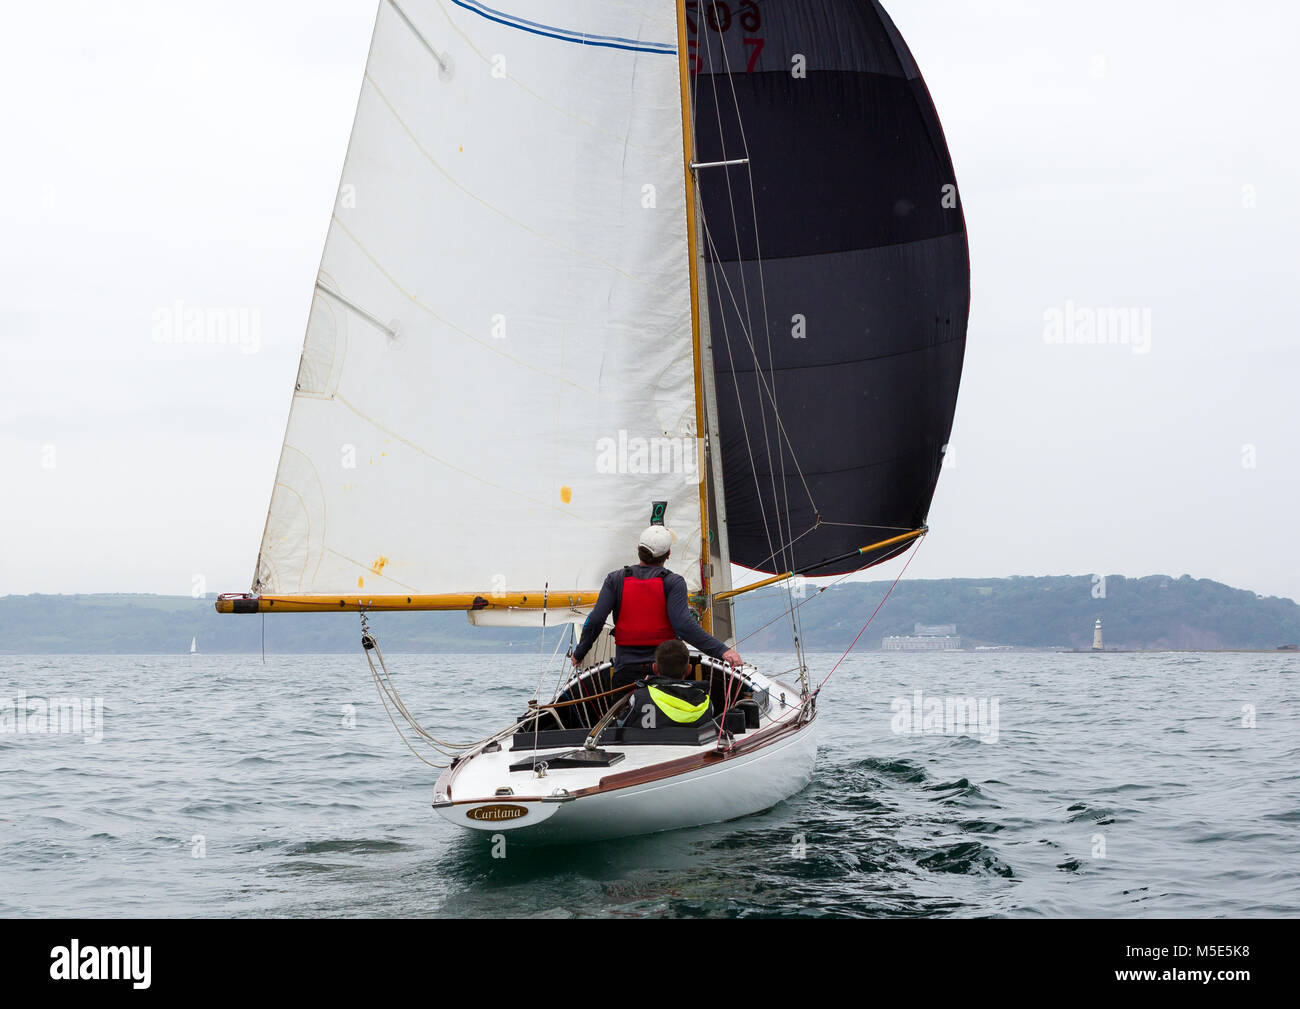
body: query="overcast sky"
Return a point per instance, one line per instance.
(1130, 155)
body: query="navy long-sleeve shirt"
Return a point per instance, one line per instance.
(679, 615)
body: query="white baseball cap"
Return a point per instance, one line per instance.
(657, 539)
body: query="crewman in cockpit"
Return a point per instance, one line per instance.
(650, 606)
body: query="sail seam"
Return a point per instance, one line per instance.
(370, 569)
(452, 466)
(451, 325)
(577, 253)
(868, 360)
(708, 233)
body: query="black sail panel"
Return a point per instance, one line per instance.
(838, 280)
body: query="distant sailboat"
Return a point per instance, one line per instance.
(702, 261)
(194, 645)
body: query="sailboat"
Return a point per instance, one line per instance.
(194, 645)
(698, 262)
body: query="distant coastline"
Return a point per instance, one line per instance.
(1054, 613)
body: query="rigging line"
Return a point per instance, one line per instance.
(744, 423)
(368, 638)
(873, 615)
(708, 233)
(388, 687)
(762, 283)
(744, 285)
(564, 668)
(708, 238)
(805, 602)
(541, 655)
(568, 668)
(726, 335)
(537, 725)
(726, 705)
(398, 730)
(762, 296)
(785, 434)
(420, 756)
(867, 525)
(796, 628)
(768, 559)
(558, 644)
(388, 692)
(785, 528)
(582, 694)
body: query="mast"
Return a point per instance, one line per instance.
(723, 611)
(706, 566)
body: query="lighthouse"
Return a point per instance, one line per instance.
(1096, 636)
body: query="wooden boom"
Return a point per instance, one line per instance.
(791, 574)
(243, 603)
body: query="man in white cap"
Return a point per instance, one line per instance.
(650, 606)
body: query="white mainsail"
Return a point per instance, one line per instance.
(497, 377)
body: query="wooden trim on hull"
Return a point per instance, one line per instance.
(684, 765)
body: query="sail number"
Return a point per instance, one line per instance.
(721, 17)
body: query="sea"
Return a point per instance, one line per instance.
(958, 784)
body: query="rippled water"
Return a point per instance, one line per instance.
(1118, 785)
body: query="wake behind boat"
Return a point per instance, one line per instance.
(544, 308)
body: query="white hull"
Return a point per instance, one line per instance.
(652, 789)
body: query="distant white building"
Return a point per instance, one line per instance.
(926, 638)
(1096, 636)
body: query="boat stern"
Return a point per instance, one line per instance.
(497, 814)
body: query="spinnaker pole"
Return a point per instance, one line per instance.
(860, 552)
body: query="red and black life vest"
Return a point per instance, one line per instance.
(643, 611)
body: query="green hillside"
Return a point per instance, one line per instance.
(1052, 612)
